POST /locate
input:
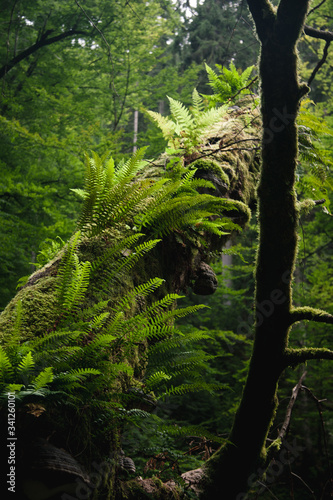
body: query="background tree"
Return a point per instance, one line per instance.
(72, 74)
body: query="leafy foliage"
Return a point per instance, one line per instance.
(228, 84)
(314, 169)
(114, 196)
(186, 128)
(90, 346)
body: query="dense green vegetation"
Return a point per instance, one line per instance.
(74, 77)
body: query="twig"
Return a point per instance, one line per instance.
(244, 88)
(294, 394)
(105, 41)
(320, 411)
(302, 481)
(320, 63)
(316, 7)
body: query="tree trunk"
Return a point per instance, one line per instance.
(239, 464)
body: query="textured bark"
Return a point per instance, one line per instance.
(233, 470)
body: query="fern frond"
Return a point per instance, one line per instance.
(184, 120)
(212, 226)
(77, 287)
(98, 321)
(141, 290)
(209, 118)
(196, 387)
(198, 103)
(126, 172)
(219, 86)
(177, 342)
(5, 364)
(74, 378)
(26, 365)
(11, 388)
(127, 263)
(168, 127)
(44, 378)
(57, 338)
(112, 253)
(191, 430)
(156, 379)
(65, 272)
(103, 340)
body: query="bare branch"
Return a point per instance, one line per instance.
(294, 394)
(320, 62)
(42, 42)
(316, 7)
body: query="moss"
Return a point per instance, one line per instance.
(212, 166)
(152, 488)
(39, 308)
(305, 206)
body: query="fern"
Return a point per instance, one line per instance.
(156, 378)
(313, 171)
(228, 84)
(194, 387)
(186, 129)
(6, 368)
(26, 365)
(44, 378)
(109, 194)
(74, 378)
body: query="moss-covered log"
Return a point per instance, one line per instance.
(229, 160)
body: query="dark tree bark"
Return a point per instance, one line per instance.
(237, 466)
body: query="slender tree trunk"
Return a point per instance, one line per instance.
(238, 465)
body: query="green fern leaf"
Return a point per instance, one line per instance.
(198, 103)
(26, 365)
(156, 379)
(168, 127)
(43, 379)
(184, 120)
(5, 364)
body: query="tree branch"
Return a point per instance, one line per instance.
(294, 394)
(315, 33)
(316, 7)
(320, 62)
(310, 314)
(290, 18)
(42, 42)
(295, 357)
(263, 15)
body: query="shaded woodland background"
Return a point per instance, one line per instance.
(89, 72)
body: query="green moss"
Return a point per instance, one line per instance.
(39, 310)
(212, 166)
(305, 206)
(152, 488)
